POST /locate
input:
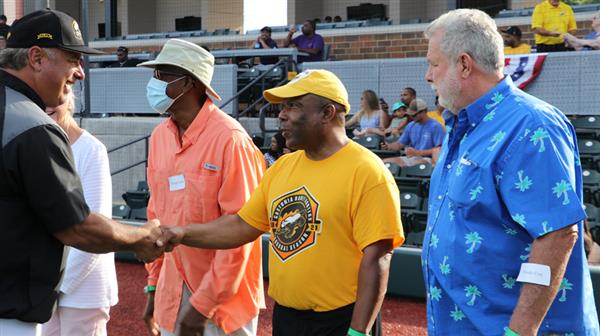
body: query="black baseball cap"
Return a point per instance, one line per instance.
(123, 49)
(267, 29)
(512, 30)
(48, 29)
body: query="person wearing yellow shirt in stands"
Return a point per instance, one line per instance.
(332, 209)
(512, 41)
(551, 19)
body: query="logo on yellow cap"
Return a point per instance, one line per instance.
(8, 36)
(76, 31)
(301, 75)
(44, 36)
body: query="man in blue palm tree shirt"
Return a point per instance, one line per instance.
(503, 253)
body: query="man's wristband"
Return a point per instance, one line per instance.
(509, 332)
(352, 332)
(149, 289)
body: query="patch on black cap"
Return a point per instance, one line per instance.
(48, 29)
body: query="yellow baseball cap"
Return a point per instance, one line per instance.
(316, 81)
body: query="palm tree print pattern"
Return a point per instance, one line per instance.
(475, 192)
(435, 293)
(524, 182)
(538, 137)
(490, 116)
(445, 267)
(457, 314)
(496, 140)
(565, 285)
(473, 240)
(434, 240)
(519, 218)
(496, 99)
(525, 256)
(562, 188)
(509, 231)
(509, 282)
(473, 292)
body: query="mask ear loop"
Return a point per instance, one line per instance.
(181, 94)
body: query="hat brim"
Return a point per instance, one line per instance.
(278, 94)
(154, 63)
(82, 49)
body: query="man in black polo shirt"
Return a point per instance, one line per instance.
(42, 207)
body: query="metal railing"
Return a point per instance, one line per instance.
(145, 160)
(251, 83)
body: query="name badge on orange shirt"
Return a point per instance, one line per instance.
(176, 182)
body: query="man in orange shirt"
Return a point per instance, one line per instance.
(201, 165)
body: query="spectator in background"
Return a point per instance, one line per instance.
(551, 19)
(276, 149)
(89, 286)
(384, 106)
(123, 60)
(337, 18)
(317, 20)
(407, 95)
(422, 138)
(328, 19)
(4, 28)
(371, 118)
(386, 110)
(589, 42)
(592, 249)
(309, 42)
(512, 41)
(399, 120)
(264, 41)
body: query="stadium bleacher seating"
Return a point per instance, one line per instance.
(591, 186)
(589, 151)
(587, 127)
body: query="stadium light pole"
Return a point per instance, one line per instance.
(86, 59)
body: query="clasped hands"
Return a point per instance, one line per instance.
(155, 240)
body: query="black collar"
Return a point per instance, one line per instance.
(20, 86)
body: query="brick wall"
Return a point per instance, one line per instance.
(365, 46)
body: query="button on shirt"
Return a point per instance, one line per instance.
(509, 173)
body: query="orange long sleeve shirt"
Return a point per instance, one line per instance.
(211, 172)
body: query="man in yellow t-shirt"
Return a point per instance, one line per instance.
(551, 19)
(333, 213)
(512, 41)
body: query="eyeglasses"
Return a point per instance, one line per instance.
(159, 74)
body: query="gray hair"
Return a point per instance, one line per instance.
(473, 32)
(16, 58)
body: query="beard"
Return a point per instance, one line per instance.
(448, 90)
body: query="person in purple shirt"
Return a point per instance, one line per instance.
(421, 139)
(309, 42)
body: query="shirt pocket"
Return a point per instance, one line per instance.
(201, 198)
(465, 188)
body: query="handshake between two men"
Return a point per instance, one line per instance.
(155, 240)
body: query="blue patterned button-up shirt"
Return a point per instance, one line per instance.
(507, 174)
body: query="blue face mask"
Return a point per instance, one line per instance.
(156, 94)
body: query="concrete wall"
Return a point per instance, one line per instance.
(224, 14)
(168, 10)
(138, 23)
